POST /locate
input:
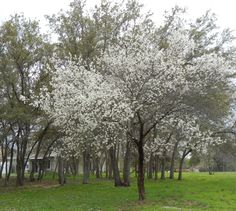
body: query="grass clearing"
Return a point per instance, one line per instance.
(198, 191)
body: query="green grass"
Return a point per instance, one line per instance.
(198, 191)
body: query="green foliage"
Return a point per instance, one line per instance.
(88, 34)
(20, 65)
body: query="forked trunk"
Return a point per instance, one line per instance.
(185, 153)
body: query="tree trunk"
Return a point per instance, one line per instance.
(156, 167)
(110, 169)
(3, 158)
(172, 163)
(31, 177)
(1, 169)
(114, 162)
(61, 172)
(42, 168)
(181, 168)
(102, 162)
(55, 170)
(163, 166)
(74, 166)
(19, 173)
(140, 179)
(19, 169)
(6, 173)
(97, 167)
(21, 155)
(86, 166)
(210, 171)
(150, 168)
(127, 160)
(185, 153)
(181, 165)
(10, 164)
(107, 165)
(92, 167)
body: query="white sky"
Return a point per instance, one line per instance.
(225, 9)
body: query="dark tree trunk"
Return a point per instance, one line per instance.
(55, 170)
(20, 171)
(172, 163)
(74, 166)
(77, 165)
(1, 169)
(3, 158)
(20, 163)
(39, 143)
(181, 168)
(106, 165)
(150, 168)
(140, 179)
(21, 154)
(31, 177)
(210, 171)
(61, 172)
(42, 168)
(86, 166)
(156, 167)
(114, 163)
(127, 160)
(92, 167)
(185, 153)
(163, 166)
(97, 167)
(110, 169)
(141, 174)
(102, 161)
(34, 162)
(10, 164)
(67, 167)
(6, 173)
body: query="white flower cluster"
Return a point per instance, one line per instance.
(90, 105)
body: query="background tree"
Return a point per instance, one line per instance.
(22, 59)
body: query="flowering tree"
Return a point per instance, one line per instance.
(138, 81)
(158, 81)
(192, 136)
(142, 85)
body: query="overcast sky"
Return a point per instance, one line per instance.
(225, 9)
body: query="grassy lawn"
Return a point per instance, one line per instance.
(198, 191)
